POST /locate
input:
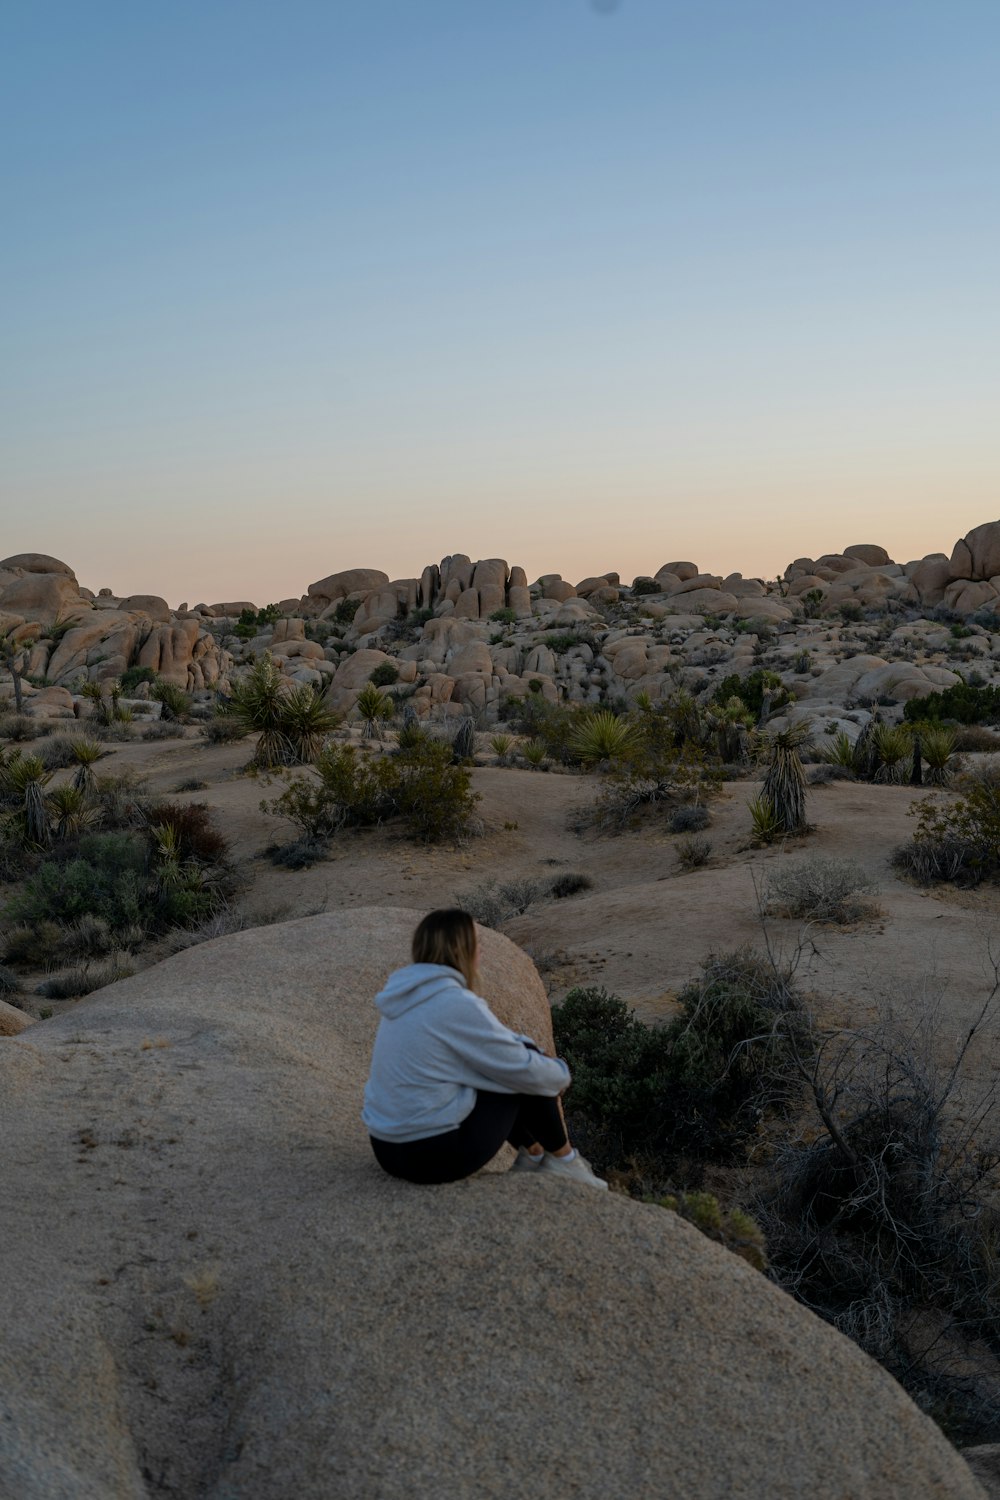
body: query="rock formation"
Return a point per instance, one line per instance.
(465, 637)
(212, 1289)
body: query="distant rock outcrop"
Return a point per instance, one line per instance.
(213, 1289)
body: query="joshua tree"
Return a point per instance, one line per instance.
(784, 788)
(25, 779)
(11, 656)
(86, 753)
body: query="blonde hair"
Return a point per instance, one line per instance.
(448, 937)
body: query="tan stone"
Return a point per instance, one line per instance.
(559, 591)
(350, 581)
(456, 569)
(681, 570)
(518, 579)
(966, 597)
(44, 597)
(287, 629)
(12, 1020)
(804, 583)
(698, 582)
(706, 602)
(474, 657)
(148, 604)
(491, 598)
(467, 605)
(36, 562)
(875, 557)
(230, 610)
(492, 572)
(168, 650)
(977, 556)
(355, 671)
(519, 600)
(360, 1334)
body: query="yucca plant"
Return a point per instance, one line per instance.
(258, 702)
(502, 745)
(866, 761)
(891, 745)
(938, 746)
(767, 826)
(27, 778)
(463, 746)
(86, 753)
(785, 782)
(535, 752)
(71, 810)
(839, 751)
(174, 702)
(730, 722)
(375, 709)
(602, 735)
(307, 722)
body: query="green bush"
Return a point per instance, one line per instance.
(752, 690)
(133, 676)
(420, 785)
(384, 675)
(961, 702)
(505, 616)
(175, 703)
(345, 611)
(646, 586)
(960, 842)
(730, 1227)
(109, 878)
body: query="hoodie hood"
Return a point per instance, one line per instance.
(410, 987)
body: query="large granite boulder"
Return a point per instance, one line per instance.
(213, 1290)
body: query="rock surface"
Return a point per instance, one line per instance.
(219, 1293)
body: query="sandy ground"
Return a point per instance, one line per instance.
(646, 925)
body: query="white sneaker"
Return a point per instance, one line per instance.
(577, 1169)
(525, 1162)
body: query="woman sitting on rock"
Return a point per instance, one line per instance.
(449, 1082)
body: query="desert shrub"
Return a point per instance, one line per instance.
(384, 675)
(19, 727)
(59, 753)
(197, 837)
(108, 878)
(420, 785)
(291, 722)
(161, 729)
(693, 852)
(937, 746)
(224, 729)
(87, 978)
(300, 854)
(822, 890)
(433, 796)
(569, 884)
(691, 818)
(121, 801)
(881, 1215)
(620, 1100)
(504, 616)
(9, 983)
(560, 642)
(36, 945)
(732, 1227)
(823, 774)
(643, 586)
(892, 745)
(974, 738)
(117, 732)
(765, 823)
(961, 702)
(756, 690)
(92, 936)
(960, 842)
(696, 1087)
(494, 902)
(133, 676)
(345, 611)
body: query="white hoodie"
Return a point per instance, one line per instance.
(437, 1043)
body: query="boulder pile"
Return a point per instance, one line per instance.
(467, 638)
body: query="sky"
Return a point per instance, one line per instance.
(290, 286)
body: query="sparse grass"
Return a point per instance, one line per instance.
(693, 852)
(570, 884)
(87, 978)
(822, 890)
(691, 818)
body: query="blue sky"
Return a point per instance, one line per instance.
(298, 286)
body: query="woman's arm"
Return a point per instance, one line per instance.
(504, 1057)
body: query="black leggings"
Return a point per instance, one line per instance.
(521, 1119)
